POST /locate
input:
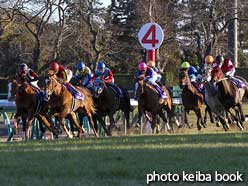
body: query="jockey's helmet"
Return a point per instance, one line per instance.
(142, 66)
(101, 65)
(81, 66)
(185, 65)
(219, 59)
(54, 66)
(209, 59)
(151, 63)
(23, 68)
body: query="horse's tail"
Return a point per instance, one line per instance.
(89, 100)
(246, 85)
(127, 99)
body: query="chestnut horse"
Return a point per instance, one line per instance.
(149, 100)
(28, 106)
(191, 98)
(63, 104)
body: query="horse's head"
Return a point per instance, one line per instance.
(140, 83)
(16, 86)
(217, 74)
(52, 86)
(98, 87)
(183, 78)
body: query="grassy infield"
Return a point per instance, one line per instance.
(123, 160)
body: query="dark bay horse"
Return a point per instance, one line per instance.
(28, 106)
(230, 96)
(63, 104)
(149, 101)
(107, 103)
(191, 98)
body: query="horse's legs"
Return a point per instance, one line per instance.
(24, 126)
(29, 123)
(242, 116)
(61, 119)
(102, 123)
(112, 122)
(89, 115)
(162, 115)
(186, 118)
(153, 124)
(127, 115)
(73, 120)
(238, 118)
(198, 115)
(44, 120)
(140, 113)
(208, 111)
(15, 122)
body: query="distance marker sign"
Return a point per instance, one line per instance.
(151, 36)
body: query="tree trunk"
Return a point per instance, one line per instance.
(36, 55)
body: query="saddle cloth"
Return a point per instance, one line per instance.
(76, 94)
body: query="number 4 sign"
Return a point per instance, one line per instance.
(151, 36)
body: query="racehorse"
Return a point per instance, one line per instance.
(28, 106)
(213, 101)
(149, 100)
(63, 104)
(230, 95)
(107, 103)
(191, 98)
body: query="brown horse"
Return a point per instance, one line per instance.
(63, 104)
(149, 100)
(230, 96)
(29, 105)
(191, 98)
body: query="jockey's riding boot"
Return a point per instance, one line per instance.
(161, 94)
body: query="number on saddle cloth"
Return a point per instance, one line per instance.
(78, 95)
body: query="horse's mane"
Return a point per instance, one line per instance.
(225, 85)
(151, 87)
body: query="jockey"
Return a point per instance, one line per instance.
(151, 64)
(199, 83)
(208, 66)
(28, 74)
(32, 78)
(63, 75)
(219, 60)
(192, 72)
(107, 76)
(229, 70)
(151, 77)
(83, 74)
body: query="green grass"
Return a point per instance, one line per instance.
(121, 160)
